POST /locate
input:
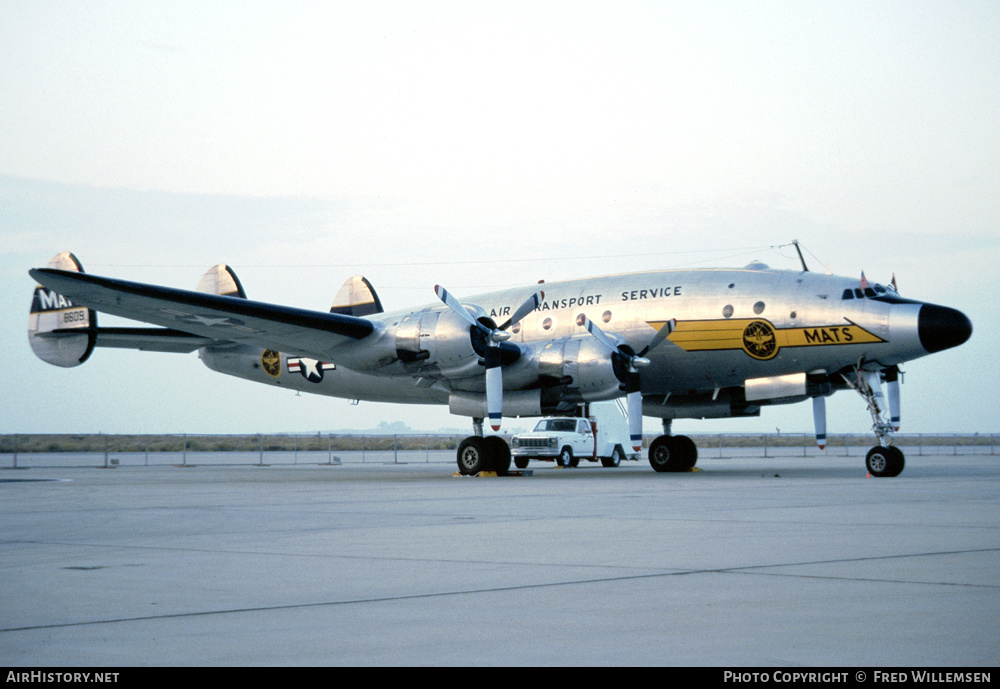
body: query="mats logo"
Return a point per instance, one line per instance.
(270, 361)
(759, 339)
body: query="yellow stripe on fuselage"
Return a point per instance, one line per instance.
(723, 334)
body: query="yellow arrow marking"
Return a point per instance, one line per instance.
(713, 335)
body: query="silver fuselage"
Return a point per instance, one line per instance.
(732, 326)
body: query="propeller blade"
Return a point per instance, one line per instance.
(532, 303)
(892, 387)
(599, 334)
(494, 387)
(661, 334)
(455, 305)
(819, 421)
(634, 402)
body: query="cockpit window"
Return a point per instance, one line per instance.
(878, 292)
(867, 292)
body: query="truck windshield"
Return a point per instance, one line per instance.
(560, 425)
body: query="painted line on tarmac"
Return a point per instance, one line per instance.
(527, 587)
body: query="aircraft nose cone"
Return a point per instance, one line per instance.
(942, 328)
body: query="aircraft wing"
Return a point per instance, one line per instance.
(197, 318)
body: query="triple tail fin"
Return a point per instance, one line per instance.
(357, 298)
(60, 332)
(64, 334)
(221, 279)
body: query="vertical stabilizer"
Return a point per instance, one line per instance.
(221, 279)
(357, 298)
(60, 332)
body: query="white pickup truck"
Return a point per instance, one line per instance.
(567, 440)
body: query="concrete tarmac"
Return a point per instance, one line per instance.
(749, 562)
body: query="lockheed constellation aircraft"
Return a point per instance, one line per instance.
(706, 343)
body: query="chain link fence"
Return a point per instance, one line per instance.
(19, 451)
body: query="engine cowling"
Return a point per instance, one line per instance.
(581, 367)
(438, 343)
(557, 376)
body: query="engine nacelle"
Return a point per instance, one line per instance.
(434, 343)
(581, 367)
(437, 342)
(569, 370)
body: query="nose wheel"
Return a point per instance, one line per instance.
(885, 461)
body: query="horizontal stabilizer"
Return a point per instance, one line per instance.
(144, 339)
(214, 317)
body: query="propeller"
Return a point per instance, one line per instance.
(494, 336)
(628, 373)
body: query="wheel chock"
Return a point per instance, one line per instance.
(491, 474)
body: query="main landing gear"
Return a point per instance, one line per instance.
(672, 452)
(478, 453)
(883, 460)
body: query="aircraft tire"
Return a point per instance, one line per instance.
(660, 451)
(473, 456)
(899, 461)
(497, 454)
(689, 452)
(672, 453)
(885, 462)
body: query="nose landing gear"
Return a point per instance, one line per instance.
(883, 460)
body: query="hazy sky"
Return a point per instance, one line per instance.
(479, 145)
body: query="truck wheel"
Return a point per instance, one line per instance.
(615, 459)
(566, 458)
(521, 462)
